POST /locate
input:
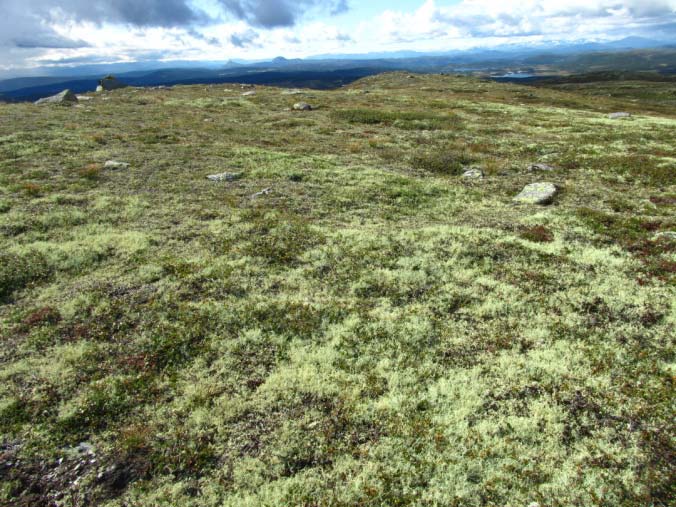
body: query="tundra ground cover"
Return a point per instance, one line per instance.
(376, 331)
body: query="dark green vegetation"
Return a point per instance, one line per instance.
(639, 92)
(376, 331)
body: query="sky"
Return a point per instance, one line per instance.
(39, 33)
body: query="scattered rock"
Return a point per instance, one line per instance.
(109, 83)
(541, 167)
(537, 193)
(410, 76)
(66, 97)
(473, 173)
(263, 192)
(302, 106)
(618, 116)
(249, 94)
(114, 164)
(534, 504)
(293, 92)
(99, 89)
(83, 97)
(224, 177)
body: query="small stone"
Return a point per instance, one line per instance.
(537, 193)
(66, 97)
(99, 89)
(293, 92)
(619, 116)
(541, 167)
(114, 164)
(302, 106)
(473, 173)
(263, 192)
(224, 177)
(83, 97)
(534, 504)
(249, 94)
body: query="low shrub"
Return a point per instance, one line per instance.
(18, 271)
(537, 233)
(441, 161)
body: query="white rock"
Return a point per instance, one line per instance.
(114, 164)
(619, 116)
(473, 173)
(224, 177)
(540, 167)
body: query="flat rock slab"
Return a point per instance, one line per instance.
(114, 164)
(224, 177)
(66, 97)
(540, 167)
(473, 173)
(619, 116)
(249, 94)
(302, 106)
(537, 193)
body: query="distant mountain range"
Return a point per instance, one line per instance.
(327, 71)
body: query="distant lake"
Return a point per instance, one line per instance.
(515, 75)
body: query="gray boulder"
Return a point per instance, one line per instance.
(302, 106)
(619, 116)
(66, 97)
(249, 94)
(109, 83)
(537, 193)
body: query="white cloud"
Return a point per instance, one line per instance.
(564, 19)
(115, 33)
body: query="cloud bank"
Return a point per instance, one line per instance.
(39, 32)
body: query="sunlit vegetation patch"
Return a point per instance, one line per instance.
(373, 329)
